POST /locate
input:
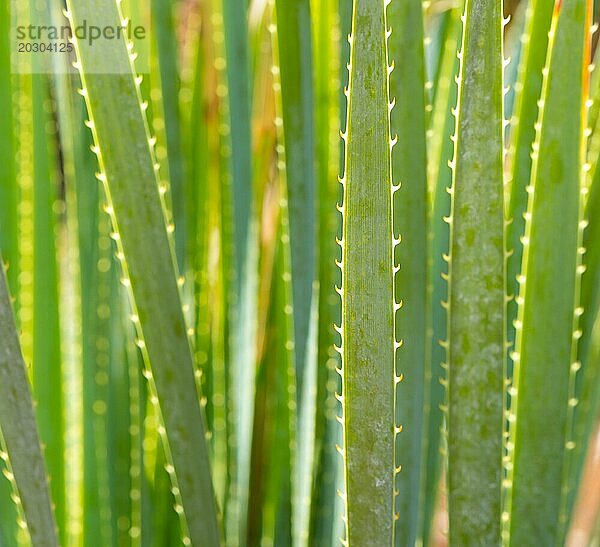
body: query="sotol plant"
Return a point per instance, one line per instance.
(174, 360)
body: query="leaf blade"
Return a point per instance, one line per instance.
(368, 334)
(544, 349)
(131, 182)
(477, 285)
(19, 430)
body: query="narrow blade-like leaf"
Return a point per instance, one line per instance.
(19, 431)
(477, 287)
(545, 340)
(368, 308)
(533, 58)
(130, 175)
(409, 168)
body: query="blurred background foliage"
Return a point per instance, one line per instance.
(245, 103)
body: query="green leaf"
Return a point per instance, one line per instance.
(590, 281)
(168, 85)
(513, 51)
(368, 306)
(239, 201)
(8, 186)
(294, 61)
(533, 58)
(132, 185)
(8, 220)
(19, 431)
(546, 337)
(45, 327)
(294, 37)
(328, 107)
(440, 153)
(409, 168)
(274, 435)
(476, 344)
(238, 78)
(85, 241)
(587, 387)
